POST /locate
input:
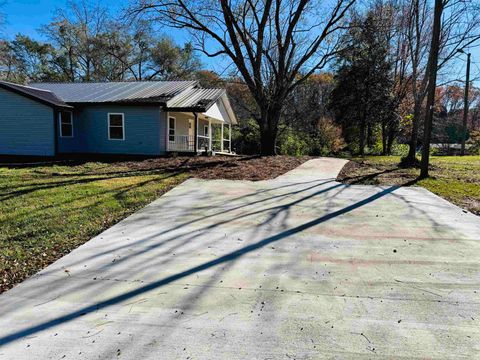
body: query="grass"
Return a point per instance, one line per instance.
(47, 211)
(454, 178)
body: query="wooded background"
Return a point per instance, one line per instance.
(306, 77)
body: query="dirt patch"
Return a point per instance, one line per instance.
(222, 167)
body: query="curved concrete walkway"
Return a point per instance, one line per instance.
(296, 267)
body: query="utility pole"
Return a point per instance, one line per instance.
(466, 105)
(432, 82)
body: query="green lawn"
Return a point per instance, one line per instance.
(47, 211)
(454, 178)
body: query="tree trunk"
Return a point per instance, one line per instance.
(369, 136)
(268, 132)
(465, 107)
(267, 142)
(384, 138)
(433, 61)
(412, 151)
(363, 126)
(390, 139)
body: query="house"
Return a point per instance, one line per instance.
(138, 118)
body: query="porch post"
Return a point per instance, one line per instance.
(230, 137)
(167, 135)
(209, 135)
(195, 132)
(221, 138)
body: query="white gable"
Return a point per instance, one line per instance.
(218, 112)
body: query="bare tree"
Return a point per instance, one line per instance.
(460, 28)
(475, 112)
(432, 82)
(75, 32)
(129, 44)
(274, 44)
(418, 25)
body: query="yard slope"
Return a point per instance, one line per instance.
(454, 178)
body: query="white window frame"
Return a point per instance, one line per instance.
(123, 126)
(60, 123)
(174, 128)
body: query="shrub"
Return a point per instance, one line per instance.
(474, 142)
(377, 148)
(246, 138)
(434, 151)
(293, 143)
(324, 139)
(400, 149)
(327, 138)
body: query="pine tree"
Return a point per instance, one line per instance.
(362, 98)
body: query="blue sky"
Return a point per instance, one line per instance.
(26, 17)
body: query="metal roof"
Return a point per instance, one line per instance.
(139, 91)
(43, 96)
(173, 95)
(195, 98)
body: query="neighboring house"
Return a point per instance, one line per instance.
(140, 118)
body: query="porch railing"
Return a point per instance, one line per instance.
(181, 143)
(203, 142)
(187, 143)
(217, 145)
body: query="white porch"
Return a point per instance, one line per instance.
(194, 132)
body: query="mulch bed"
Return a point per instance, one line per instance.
(346, 174)
(361, 173)
(252, 168)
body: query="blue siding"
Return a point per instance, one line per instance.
(144, 131)
(26, 126)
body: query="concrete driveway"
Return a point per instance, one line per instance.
(300, 267)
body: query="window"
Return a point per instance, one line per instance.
(205, 130)
(116, 130)
(66, 124)
(171, 129)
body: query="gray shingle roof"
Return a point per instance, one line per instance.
(141, 91)
(43, 96)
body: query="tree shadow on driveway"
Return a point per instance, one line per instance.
(229, 257)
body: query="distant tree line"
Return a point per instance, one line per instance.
(381, 77)
(87, 43)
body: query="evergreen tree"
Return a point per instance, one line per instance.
(362, 98)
